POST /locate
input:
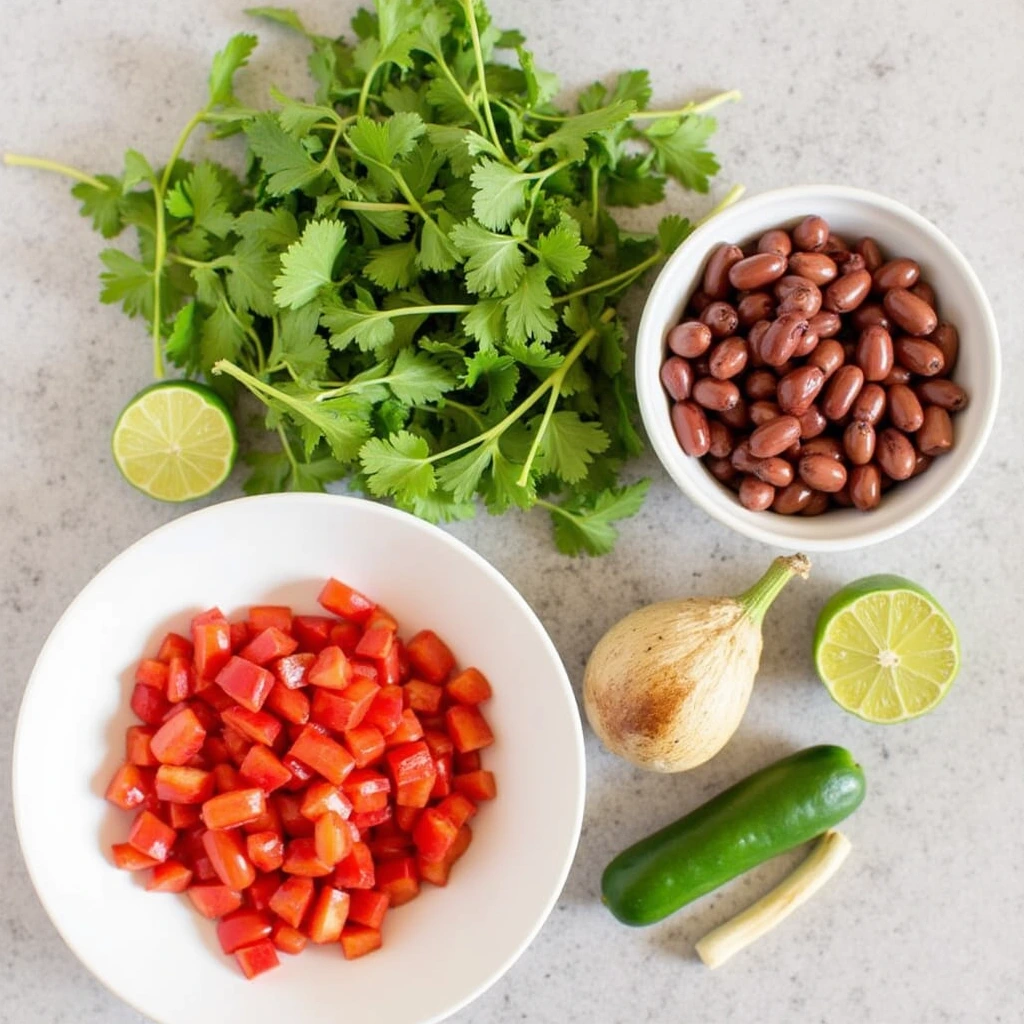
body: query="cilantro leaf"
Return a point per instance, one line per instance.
(386, 141)
(416, 379)
(561, 252)
(462, 476)
(485, 323)
(632, 182)
(679, 149)
(250, 277)
(127, 281)
(102, 204)
(270, 472)
(502, 489)
(672, 230)
(285, 160)
(299, 346)
(221, 337)
(436, 249)
(494, 263)
(275, 228)
(635, 86)
(528, 309)
(541, 86)
(136, 170)
(584, 526)
(392, 266)
(308, 264)
(569, 445)
(398, 465)
(500, 193)
(369, 327)
(498, 371)
(281, 15)
(569, 140)
(234, 56)
(180, 346)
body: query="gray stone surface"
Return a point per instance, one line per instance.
(919, 100)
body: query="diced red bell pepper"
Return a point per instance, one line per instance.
(257, 959)
(437, 873)
(238, 744)
(390, 670)
(181, 785)
(399, 879)
(180, 682)
(240, 636)
(292, 820)
(300, 858)
(367, 790)
(410, 762)
(312, 631)
(341, 599)
(181, 816)
(211, 640)
(364, 670)
(291, 705)
(365, 820)
(376, 642)
(228, 810)
(262, 768)
(151, 836)
(214, 696)
(213, 614)
(440, 743)
(366, 744)
(331, 710)
(242, 928)
(430, 657)
(408, 730)
(270, 644)
(356, 871)
(288, 939)
(179, 739)
(443, 782)
(467, 728)
(467, 762)
(386, 710)
(214, 900)
(137, 746)
(332, 839)
(382, 619)
(328, 916)
(202, 871)
(225, 777)
(357, 940)
(259, 894)
(150, 703)
(265, 616)
(174, 645)
(368, 907)
(249, 684)
(227, 854)
(128, 858)
(422, 696)
(265, 850)
(331, 670)
(324, 755)
(257, 726)
(389, 847)
(406, 817)
(415, 794)
(171, 876)
(346, 635)
(469, 687)
(129, 787)
(268, 821)
(478, 785)
(434, 835)
(321, 798)
(292, 899)
(458, 808)
(293, 671)
(151, 672)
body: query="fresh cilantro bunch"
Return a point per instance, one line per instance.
(417, 273)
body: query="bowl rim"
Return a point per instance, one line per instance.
(649, 345)
(310, 498)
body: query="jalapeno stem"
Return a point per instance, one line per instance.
(758, 599)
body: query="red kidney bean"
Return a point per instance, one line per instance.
(814, 266)
(755, 306)
(946, 338)
(914, 315)
(827, 357)
(742, 460)
(846, 293)
(716, 274)
(869, 406)
(829, 446)
(792, 499)
(848, 262)
(925, 292)
(869, 249)
(874, 353)
(859, 442)
(715, 395)
(807, 344)
(721, 469)
(762, 412)
(689, 339)
(825, 324)
(819, 502)
(754, 272)
(775, 471)
(738, 417)
(700, 301)
(812, 423)
(904, 409)
(869, 314)
(901, 273)
(936, 434)
(842, 389)
(822, 473)
(895, 454)
(781, 339)
(728, 358)
(755, 494)
(677, 377)
(760, 385)
(811, 234)
(943, 393)
(836, 244)
(842, 496)
(783, 368)
(722, 442)
(788, 284)
(866, 487)
(691, 427)
(799, 388)
(754, 338)
(919, 356)
(774, 437)
(701, 367)
(897, 375)
(921, 464)
(775, 241)
(721, 318)
(804, 299)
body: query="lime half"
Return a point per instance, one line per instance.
(175, 441)
(885, 649)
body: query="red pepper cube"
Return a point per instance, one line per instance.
(406, 817)
(328, 916)
(399, 879)
(242, 928)
(258, 726)
(225, 778)
(357, 940)
(179, 739)
(478, 785)
(270, 644)
(366, 744)
(228, 856)
(214, 696)
(262, 768)
(385, 712)
(151, 836)
(171, 876)
(376, 642)
(257, 959)
(364, 670)
(150, 703)
(292, 821)
(228, 810)
(211, 641)
(180, 683)
(288, 939)
(265, 850)
(130, 787)
(434, 835)
(457, 808)
(268, 821)
(203, 873)
(301, 773)
(300, 858)
(331, 670)
(174, 645)
(382, 619)
(430, 656)
(423, 697)
(137, 748)
(312, 631)
(322, 798)
(415, 794)
(467, 728)
(331, 838)
(292, 899)
(437, 872)
(211, 615)
(181, 785)
(467, 762)
(443, 782)
(390, 668)
(346, 635)
(367, 790)
(341, 599)
(151, 672)
(408, 730)
(365, 820)
(356, 871)
(214, 900)
(389, 847)
(367, 907)
(259, 894)
(249, 684)
(469, 687)
(293, 670)
(291, 705)
(181, 816)
(332, 710)
(324, 755)
(411, 762)
(440, 743)
(266, 616)
(127, 858)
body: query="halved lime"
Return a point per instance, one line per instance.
(175, 441)
(885, 649)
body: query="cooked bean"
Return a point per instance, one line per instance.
(792, 499)
(754, 272)
(775, 471)
(943, 393)
(827, 357)
(716, 274)
(760, 385)
(825, 324)
(742, 460)
(763, 411)
(776, 241)
(720, 469)
(869, 249)
(804, 299)
(756, 494)
(812, 423)
(866, 487)
(811, 234)
(818, 504)
(869, 314)
(829, 446)
(755, 306)
(793, 451)
(788, 284)
(842, 389)
(799, 388)
(781, 339)
(689, 339)
(774, 437)
(691, 427)
(806, 345)
(822, 473)
(754, 338)
(904, 409)
(913, 314)
(738, 417)
(846, 293)
(926, 293)
(859, 442)
(901, 273)
(869, 406)
(897, 375)
(836, 244)
(701, 367)
(721, 318)
(677, 377)
(919, 356)
(715, 395)
(842, 496)
(722, 441)
(895, 454)
(700, 301)
(936, 434)
(728, 358)
(874, 353)
(848, 262)
(921, 464)
(815, 266)
(947, 339)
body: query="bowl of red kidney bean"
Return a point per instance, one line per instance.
(819, 367)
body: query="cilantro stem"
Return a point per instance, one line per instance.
(549, 410)
(18, 160)
(257, 386)
(595, 200)
(481, 74)
(287, 448)
(470, 105)
(728, 199)
(732, 95)
(356, 204)
(621, 278)
(364, 93)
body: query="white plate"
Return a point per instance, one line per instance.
(153, 950)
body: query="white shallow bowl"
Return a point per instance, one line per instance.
(153, 950)
(900, 231)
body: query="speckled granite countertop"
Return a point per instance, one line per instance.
(919, 100)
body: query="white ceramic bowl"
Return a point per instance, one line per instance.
(852, 213)
(153, 950)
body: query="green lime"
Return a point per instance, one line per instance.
(175, 441)
(885, 649)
